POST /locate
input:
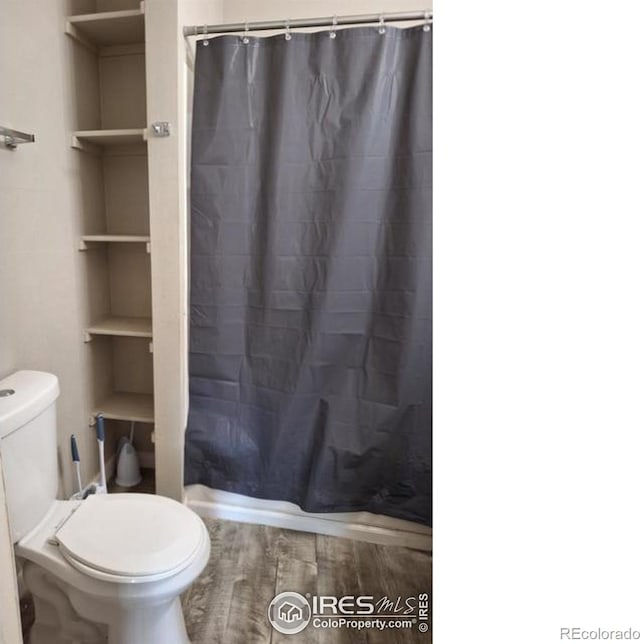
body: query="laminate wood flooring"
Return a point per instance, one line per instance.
(250, 564)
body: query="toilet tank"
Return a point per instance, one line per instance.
(28, 447)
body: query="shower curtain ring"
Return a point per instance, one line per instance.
(287, 31)
(205, 31)
(381, 27)
(245, 38)
(428, 19)
(332, 33)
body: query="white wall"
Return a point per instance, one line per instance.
(248, 10)
(43, 199)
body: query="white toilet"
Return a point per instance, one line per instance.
(108, 569)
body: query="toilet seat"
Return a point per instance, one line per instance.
(132, 538)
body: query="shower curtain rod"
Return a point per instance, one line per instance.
(329, 21)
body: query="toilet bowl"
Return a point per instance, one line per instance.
(109, 569)
(113, 567)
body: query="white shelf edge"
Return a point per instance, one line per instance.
(94, 141)
(114, 239)
(115, 326)
(104, 15)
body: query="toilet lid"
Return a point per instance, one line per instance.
(131, 535)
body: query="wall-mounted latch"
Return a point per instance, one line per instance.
(161, 128)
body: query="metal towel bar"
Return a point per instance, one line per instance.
(13, 138)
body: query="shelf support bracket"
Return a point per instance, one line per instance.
(72, 31)
(13, 138)
(91, 148)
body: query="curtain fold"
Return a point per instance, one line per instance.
(310, 304)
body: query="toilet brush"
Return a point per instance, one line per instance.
(101, 488)
(75, 456)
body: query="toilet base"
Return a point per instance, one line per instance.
(56, 620)
(163, 624)
(64, 615)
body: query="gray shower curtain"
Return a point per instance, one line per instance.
(310, 310)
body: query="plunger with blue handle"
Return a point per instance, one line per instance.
(75, 457)
(102, 488)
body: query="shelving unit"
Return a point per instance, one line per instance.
(110, 135)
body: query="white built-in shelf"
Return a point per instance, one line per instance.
(127, 406)
(108, 27)
(114, 239)
(94, 140)
(127, 327)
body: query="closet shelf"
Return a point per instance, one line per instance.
(127, 406)
(108, 27)
(116, 239)
(121, 326)
(94, 140)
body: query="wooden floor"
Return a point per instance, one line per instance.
(250, 564)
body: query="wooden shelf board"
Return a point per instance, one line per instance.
(107, 137)
(115, 239)
(129, 327)
(108, 27)
(128, 239)
(127, 406)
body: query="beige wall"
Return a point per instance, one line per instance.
(45, 194)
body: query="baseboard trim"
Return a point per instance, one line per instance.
(361, 526)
